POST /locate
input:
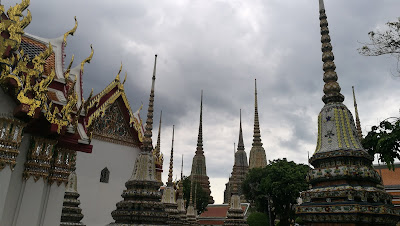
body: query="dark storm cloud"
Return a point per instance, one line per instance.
(220, 47)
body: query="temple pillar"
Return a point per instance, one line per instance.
(62, 166)
(10, 140)
(34, 190)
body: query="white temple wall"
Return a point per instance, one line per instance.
(5, 176)
(15, 184)
(98, 199)
(53, 208)
(32, 198)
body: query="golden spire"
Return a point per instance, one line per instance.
(71, 32)
(171, 160)
(331, 87)
(147, 142)
(200, 135)
(87, 60)
(257, 133)
(358, 124)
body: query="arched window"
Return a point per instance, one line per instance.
(104, 175)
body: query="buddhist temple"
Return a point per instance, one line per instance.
(258, 159)
(199, 172)
(240, 168)
(344, 187)
(71, 212)
(169, 194)
(142, 198)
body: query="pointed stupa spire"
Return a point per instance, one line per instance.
(182, 168)
(159, 135)
(240, 143)
(258, 158)
(358, 124)
(171, 160)
(257, 133)
(331, 87)
(200, 135)
(147, 142)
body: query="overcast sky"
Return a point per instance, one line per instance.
(221, 46)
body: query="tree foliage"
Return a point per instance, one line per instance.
(281, 182)
(258, 219)
(384, 140)
(386, 42)
(200, 195)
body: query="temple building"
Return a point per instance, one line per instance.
(239, 170)
(199, 172)
(258, 159)
(344, 187)
(48, 130)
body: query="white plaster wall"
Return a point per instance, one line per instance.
(54, 205)
(15, 183)
(98, 199)
(33, 194)
(6, 102)
(5, 176)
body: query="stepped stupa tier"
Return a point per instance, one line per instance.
(71, 212)
(235, 216)
(258, 159)
(199, 172)
(345, 189)
(169, 195)
(142, 199)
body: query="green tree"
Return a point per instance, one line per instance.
(384, 140)
(199, 194)
(258, 219)
(281, 182)
(385, 42)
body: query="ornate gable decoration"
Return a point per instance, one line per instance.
(113, 127)
(97, 106)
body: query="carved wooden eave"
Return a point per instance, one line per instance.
(100, 103)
